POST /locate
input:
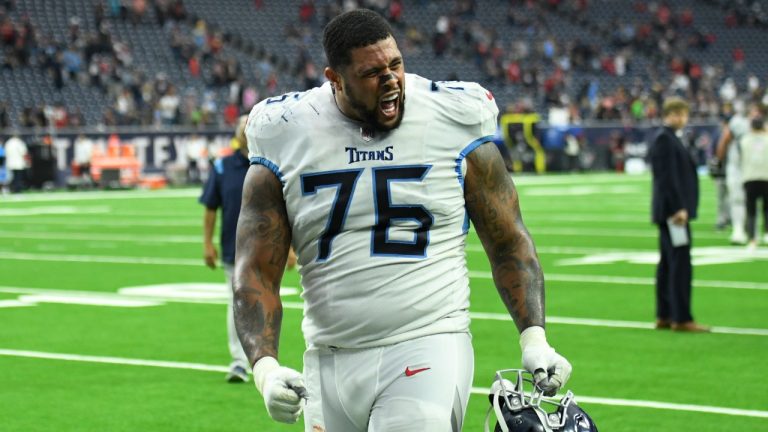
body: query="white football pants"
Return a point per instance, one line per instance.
(419, 385)
(735, 184)
(235, 348)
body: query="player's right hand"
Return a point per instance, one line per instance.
(282, 389)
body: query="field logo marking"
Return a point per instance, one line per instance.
(130, 297)
(54, 210)
(700, 256)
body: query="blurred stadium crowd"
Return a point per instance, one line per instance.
(192, 62)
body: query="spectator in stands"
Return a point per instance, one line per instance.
(196, 150)
(168, 106)
(5, 120)
(16, 162)
(178, 11)
(76, 117)
(754, 152)
(224, 190)
(675, 202)
(137, 11)
(307, 11)
(3, 173)
(459, 32)
(231, 113)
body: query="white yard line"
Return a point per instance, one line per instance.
(610, 179)
(20, 256)
(99, 195)
(618, 280)
(106, 220)
(475, 390)
(614, 233)
(592, 322)
(43, 295)
(49, 235)
(102, 237)
(53, 210)
(113, 360)
(655, 405)
(571, 190)
(534, 217)
(628, 280)
(558, 250)
(196, 239)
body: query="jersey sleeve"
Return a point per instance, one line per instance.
(469, 105)
(738, 126)
(270, 126)
(262, 131)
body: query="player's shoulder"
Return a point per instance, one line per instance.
(738, 123)
(464, 102)
(278, 115)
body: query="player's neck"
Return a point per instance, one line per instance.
(345, 109)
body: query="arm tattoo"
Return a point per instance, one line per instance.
(263, 240)
(493, 207)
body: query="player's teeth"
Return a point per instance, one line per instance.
(388, 107)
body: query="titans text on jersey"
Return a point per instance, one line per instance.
(357, 155)
(368, 210)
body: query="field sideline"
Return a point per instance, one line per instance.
(110, 321)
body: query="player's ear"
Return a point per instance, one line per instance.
(334, 77)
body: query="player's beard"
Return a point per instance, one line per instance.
(370, 116)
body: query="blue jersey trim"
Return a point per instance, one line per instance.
(269, 164)
(467, 150)
(462, 155)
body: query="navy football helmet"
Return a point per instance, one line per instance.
(518, 411)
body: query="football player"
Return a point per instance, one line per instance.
(728, 149)
(373, 178)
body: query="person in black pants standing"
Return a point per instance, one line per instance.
(674, 205)
(754, 166)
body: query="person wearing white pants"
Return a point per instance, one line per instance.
(728, 150)
(754, 147)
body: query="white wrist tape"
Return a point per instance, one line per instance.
(261, 369)
(533, 336)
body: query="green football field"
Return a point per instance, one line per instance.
(109, 321)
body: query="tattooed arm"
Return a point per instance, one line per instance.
(263, 240)
(493, 207)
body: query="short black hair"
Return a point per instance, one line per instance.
(354, 29)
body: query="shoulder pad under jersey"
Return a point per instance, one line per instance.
(463, 102)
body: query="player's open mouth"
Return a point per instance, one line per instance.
(388, 104)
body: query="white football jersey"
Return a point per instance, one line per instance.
(378, 218)
(739, 126)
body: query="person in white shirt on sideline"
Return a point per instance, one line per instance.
(754, 168)
(83, 155)
(16, 162)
